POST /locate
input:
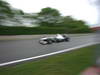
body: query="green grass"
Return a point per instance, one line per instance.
(70, 63)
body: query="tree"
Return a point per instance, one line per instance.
(21, 12)
(49, 11)
(66, 20)
(5, 7)
(4, 4)
(5, 10)
(48, 16)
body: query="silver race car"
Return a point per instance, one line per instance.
(56, 39)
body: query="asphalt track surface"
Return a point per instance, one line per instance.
(11, 50)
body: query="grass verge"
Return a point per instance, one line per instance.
(70, 63)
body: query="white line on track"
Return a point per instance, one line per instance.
(45, 55)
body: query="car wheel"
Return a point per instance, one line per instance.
(50, 42)
(67, 39)
(43, 42)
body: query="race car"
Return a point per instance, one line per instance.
(56, 39)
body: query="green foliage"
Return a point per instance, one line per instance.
(4, 4)
(21, 12)
(5, 7)
(48, 16)
(18, 12)
(27, 30)
(5, 11)
(4, 30)
(49, 19)
(49, 11)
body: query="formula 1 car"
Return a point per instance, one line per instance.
(58, 38)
